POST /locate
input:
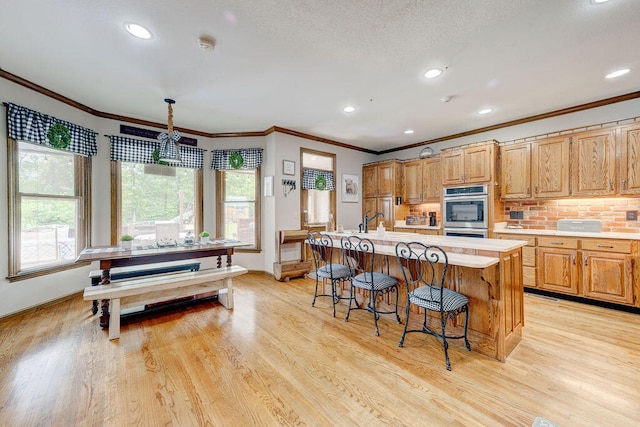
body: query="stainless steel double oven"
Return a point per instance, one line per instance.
(465, 211)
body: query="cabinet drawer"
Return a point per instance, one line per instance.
(604, 245)
(529, 256)
(558, 242)
(531, 240)
(529, 277)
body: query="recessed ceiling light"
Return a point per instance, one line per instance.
(485, 111)
(433, 73)
(408, 131)
(599, 1)
(617, 73)
(349, 109)
(138, 31)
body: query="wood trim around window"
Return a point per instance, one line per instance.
(304, 193)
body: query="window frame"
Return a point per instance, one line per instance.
(220, 192)
(116, 201)
(304, 197)
(82, 185)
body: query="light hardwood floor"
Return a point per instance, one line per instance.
(275, 360)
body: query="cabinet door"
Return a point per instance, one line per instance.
(369, 181)
(370, 205)
(607, 277)
(452, 164)
(594, 163)
(630, 159)
(385, 205)
(431, 180)
(515, 164)
(413, 182)
(558, 270)
(550, 167)
(478, 164)
(386, 179)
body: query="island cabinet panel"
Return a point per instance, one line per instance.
(515, 171)
(550, 167)
(594, 163)
(629, 155)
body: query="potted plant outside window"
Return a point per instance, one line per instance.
(125, 241)
(204, 237)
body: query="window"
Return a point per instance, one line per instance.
(238, 206)
(49, 206)
(154, 197)
(318, 206)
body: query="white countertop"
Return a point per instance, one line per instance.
(606, 235)
(458, 248)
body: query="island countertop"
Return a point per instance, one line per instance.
(463, 251)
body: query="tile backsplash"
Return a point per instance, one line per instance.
(544, 214)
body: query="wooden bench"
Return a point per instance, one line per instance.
(120, 273)
(151, 290)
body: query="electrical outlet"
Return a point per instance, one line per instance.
(516, 215)
(632, 215)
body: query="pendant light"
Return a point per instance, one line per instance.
(169, 151)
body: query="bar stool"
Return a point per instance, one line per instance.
(359, 254)
(322, 248)
(421, 265)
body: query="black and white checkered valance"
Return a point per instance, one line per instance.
(246, 158)
(28, 125)
(138, 151)
(313, 179)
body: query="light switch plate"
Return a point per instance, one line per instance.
(632, 215)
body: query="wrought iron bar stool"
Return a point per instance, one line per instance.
(424, 269)
(359, 254)
(322, 248)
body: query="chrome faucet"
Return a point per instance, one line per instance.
(367, 220)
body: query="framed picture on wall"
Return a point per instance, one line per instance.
(288, 167)
(350, 188)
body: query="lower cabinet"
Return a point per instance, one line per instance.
(417, 230)
(600, 269)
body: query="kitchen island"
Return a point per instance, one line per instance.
(487, 271)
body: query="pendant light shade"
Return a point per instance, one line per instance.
(169, 151)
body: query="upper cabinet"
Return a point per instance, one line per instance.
(515, 165)
(413, 182)
(381, 179)
(629, 143)
(593, 163)
(431, 180)
(470, 165)
(550, 167)
(422, 181)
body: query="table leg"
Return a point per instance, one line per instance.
(219, 261)
(105, 279)
(228, 260)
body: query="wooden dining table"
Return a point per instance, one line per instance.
(112, 256)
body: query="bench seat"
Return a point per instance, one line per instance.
(151, 290)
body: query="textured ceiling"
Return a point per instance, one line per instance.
(295, 64)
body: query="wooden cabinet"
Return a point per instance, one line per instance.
(550, 167)
(515, 167)
(593, 168)
(594, 268)
(629, 155)
(431, 180)
(529, 258)
(422, 181)
(418, 231)
(558, 264)
(607, 270)
(469, 165)
(382, 182)
(413, 182)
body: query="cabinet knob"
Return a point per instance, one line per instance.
(573, 259)
(586, 262)
(624, 184)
